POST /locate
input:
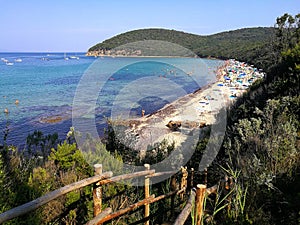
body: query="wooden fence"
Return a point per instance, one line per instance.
(196, 200)
(99, 179)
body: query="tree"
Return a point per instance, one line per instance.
(38, 144)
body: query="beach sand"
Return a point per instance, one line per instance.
(194, 110)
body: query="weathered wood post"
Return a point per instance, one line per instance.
(200, 194)
(147, 194)
(183, 183)
(192, 178)
(173, 188)
(97, 192)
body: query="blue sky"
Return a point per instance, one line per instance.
(76, 25)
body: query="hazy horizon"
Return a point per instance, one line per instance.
(116, 35)
(71, 26)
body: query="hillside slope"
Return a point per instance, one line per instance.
(241, 44)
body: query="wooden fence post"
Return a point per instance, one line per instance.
(192, 178)
(173, 188)
(97, 192)
(183, 182)
(147, 194)
(200, 194)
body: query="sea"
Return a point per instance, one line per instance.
(39, 91)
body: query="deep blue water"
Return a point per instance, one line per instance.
(45, 85)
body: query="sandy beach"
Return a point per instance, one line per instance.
(195, 110)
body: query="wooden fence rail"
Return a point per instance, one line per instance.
(187, 209)
(29, 206)
(98, 181)
(147, 173)
(99, 217)
(146, 201)
(126, 177)
(196, 200)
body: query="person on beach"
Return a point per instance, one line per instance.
(143, 112)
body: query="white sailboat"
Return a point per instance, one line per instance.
(65, 57)
(74, 57)
(18, 60)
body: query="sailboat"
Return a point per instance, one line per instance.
(74, 57)
(18, 60)
(65, 57)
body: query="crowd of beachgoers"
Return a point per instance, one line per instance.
(236, 77)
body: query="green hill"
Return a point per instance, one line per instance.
(241, 44)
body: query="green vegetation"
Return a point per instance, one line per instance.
(263, 139)
(260, 151)
(243, 44)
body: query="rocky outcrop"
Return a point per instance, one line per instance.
(113, 52)
(174, 125)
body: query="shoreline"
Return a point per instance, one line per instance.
(195, 110)
(149, 56)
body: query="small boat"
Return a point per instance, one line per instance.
(9, 63)
(18, 60)
(74, 57)
(65, 57)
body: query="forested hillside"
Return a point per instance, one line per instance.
(242, 44)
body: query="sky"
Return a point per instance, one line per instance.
(77, 25)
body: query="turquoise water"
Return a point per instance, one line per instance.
(45, 85)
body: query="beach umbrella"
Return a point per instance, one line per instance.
(208, 97)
